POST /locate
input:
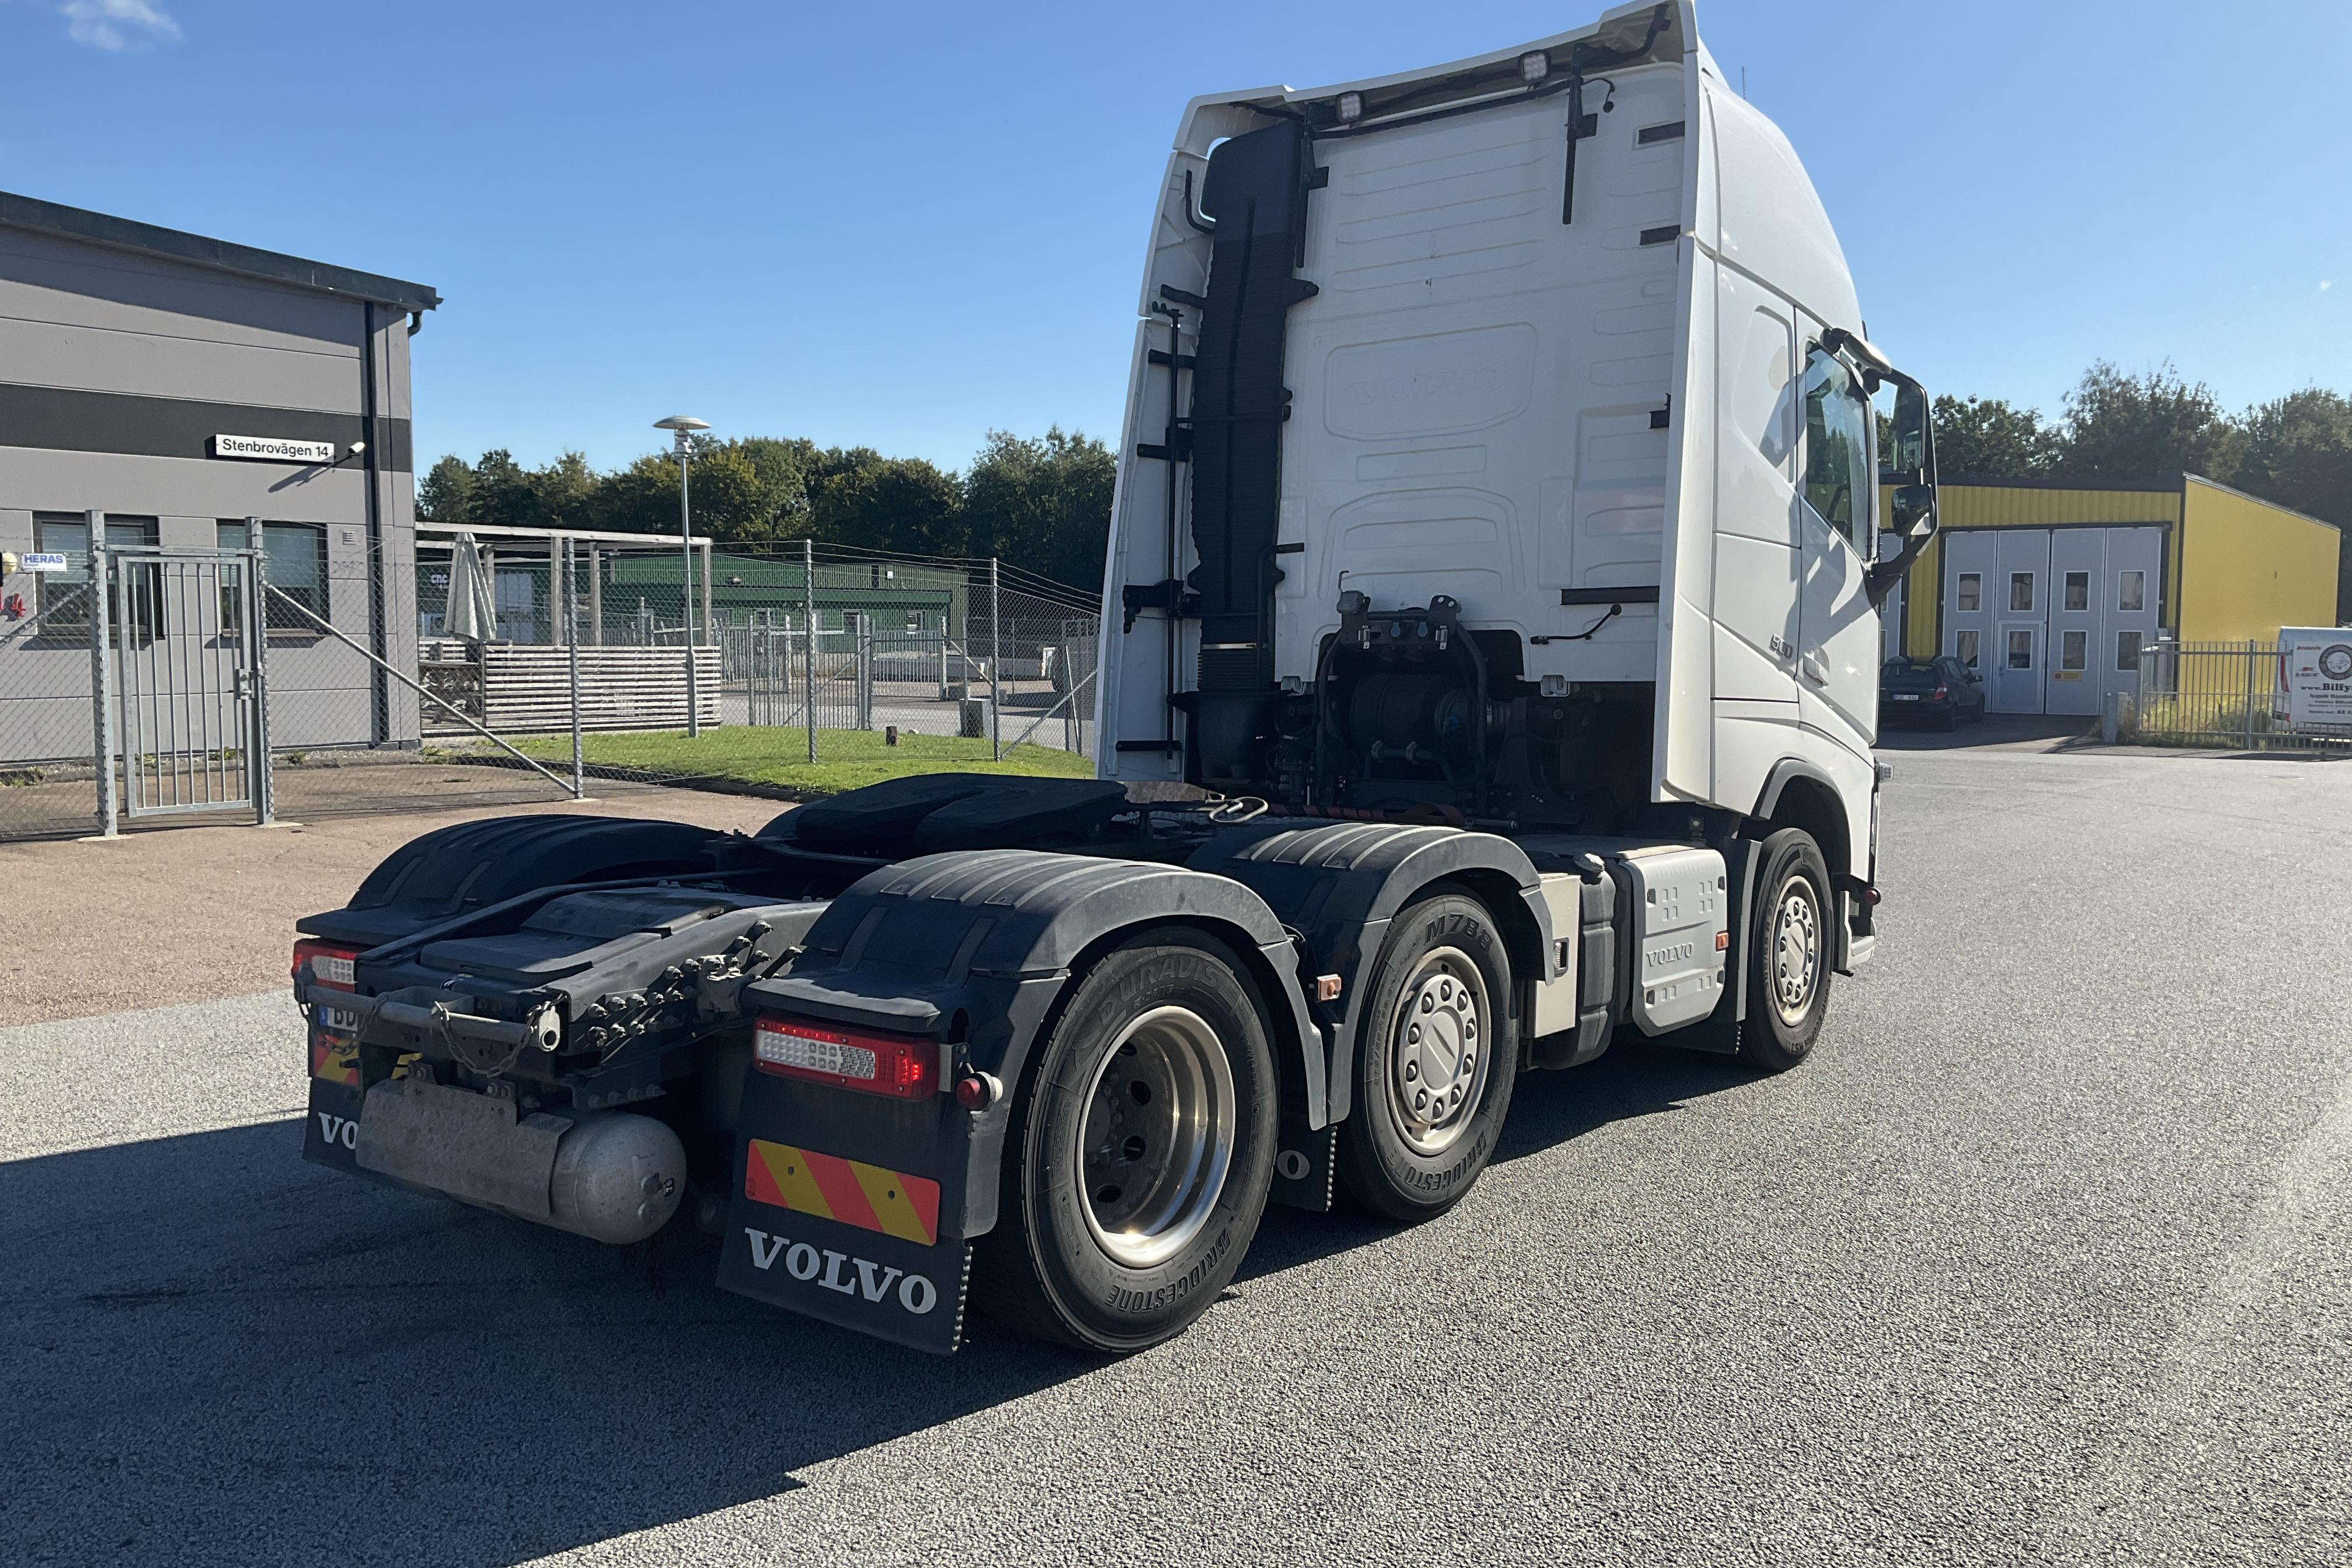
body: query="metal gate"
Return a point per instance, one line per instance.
(183, 646)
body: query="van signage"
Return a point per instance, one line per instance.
(2315, 669)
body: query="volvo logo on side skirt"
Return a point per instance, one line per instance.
(841, 1273)
(343, 1130)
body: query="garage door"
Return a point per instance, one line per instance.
(2053, 618)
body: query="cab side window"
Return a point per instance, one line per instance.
(1838, 477)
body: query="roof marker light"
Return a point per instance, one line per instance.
(1534, 66)
(1351, 106)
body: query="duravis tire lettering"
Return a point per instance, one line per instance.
(917, 1295)
(342, 1130)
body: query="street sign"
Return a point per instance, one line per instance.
(271, 449)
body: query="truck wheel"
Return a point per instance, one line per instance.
(1788, 953)
(1435, 1061)
(1137, 1165)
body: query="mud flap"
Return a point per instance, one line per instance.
(331, 1133)
(861, 1279)
(1304, 1165)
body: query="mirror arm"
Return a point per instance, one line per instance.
(1879, 581)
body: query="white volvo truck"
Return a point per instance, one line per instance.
(1489, 674)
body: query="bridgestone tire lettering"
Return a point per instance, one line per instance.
(1040, 1272)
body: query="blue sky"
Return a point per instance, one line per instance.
(902, 224)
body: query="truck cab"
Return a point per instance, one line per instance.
(1551, 354)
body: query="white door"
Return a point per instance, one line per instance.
(2077, 565)
(1838, 639)
(2019, 595)
(2016, 686)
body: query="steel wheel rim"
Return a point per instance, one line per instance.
(1438, 1058)
(1157, 1141)
(1796, 951)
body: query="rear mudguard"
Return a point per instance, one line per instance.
(1338, 884)
(972, 950)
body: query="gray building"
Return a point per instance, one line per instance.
(179, 385)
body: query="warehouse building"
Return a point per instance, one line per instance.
(2052, 589)
(157, 389)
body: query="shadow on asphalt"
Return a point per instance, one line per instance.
(1993, 730)
(1547, 1109)
(219, 1354)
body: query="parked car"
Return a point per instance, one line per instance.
(1939, 692)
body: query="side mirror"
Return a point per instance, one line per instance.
(1914, 435)
(1911, 463)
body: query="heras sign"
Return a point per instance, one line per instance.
(271, 449)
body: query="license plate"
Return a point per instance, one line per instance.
(342, 1019)
(1905, 695)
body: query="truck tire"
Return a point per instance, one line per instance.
(1788, 953)
(1138, 1160)
(1437, 1033)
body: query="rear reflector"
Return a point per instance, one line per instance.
(330, 966)
(904, 1066)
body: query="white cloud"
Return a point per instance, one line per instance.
(114, 25)
(2326, 284)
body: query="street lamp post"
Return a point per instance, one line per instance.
(682, 427)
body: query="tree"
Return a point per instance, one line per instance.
(2153, 425)
(2298, 453)
(1991, 437)
(892, 504)
(1043, 502)
(445, 493)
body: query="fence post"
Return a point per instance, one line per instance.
(2253, 650)
(808, 579)
(572, 641)
(256, 630)
(943, 655)
(995, 662)
(101, 677)
(865, 655)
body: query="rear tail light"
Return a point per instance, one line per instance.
(331, 966)
(1942, 693)
(901, 1065)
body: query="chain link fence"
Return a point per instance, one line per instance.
(286, 670)
(805, 655)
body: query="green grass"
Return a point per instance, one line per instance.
(846, 759)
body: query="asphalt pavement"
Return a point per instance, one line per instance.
(2042, 1260)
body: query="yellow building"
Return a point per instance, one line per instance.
(2050, 588)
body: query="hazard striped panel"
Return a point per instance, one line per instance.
(334, 1059)
(849, 1190)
